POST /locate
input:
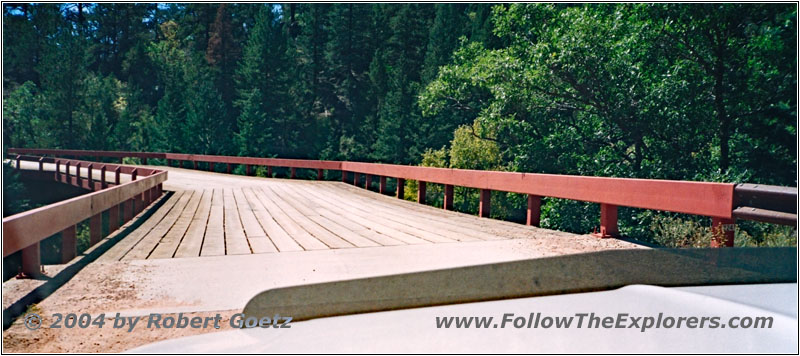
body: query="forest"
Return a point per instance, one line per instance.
(704, 92)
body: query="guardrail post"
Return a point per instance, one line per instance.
(382, 185)
(78, 179)
(356, 178)
(169, 162)
(210, 166)
(448, 197)
(248, 170)
(534, 210)
(344, 176)
(368, 183)
(293, 173)
(485, 206)
(58, 170)
(89, 168)
(95, 228)
(18, 159)
(269, 171)
(120, 160)
(103, 183)
(194, 164)
(69, 243)
(608, 221)
(68, 179)
(401, 188)
(722, 232)
(146, 198)
(32, 260)
(41, 164)
(422, 190)
(136, 201)
(229, 168)
(113, 218)
(319, 174)
(116, 175)
(127, 210)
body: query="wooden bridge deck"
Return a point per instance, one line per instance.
(213, 214)
(216, 240)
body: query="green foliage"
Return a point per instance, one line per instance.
(672, 91)
(646, 91)
(14, 193)
(690, 232)
(676, 232)
(23, 118)
(262, 97)
(103, 102)
(469, 150)
(751, 234)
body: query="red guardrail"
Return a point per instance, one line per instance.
(715, 200)
(25, 230)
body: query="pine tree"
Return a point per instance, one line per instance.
(399, 117)
(310, 90)
(222, 54)
(348, 55)
(264, 126)
(448, 27)
(169, 57)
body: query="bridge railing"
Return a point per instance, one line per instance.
(122, 201)
(722, 202)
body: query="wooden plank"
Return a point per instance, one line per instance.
(235, 239)
(352, 233)
(330, 218)
(292, 208)
(362, 237)
(334, 213)
(214, 240)
(249, 222)
(401, 216)
(193, 240)
(279, 237)
(259, 242)
(169, 243)
(490, 226)
(399, 213)
(303, 207)
(116, 252)
(296, 225)
(146, 245)
(410, 230)
(292, 228)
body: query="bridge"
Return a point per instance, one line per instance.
(181, 236)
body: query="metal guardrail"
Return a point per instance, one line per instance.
(765, 203)
(723, 202)
(25, 230)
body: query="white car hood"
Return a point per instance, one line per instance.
(415, 331)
